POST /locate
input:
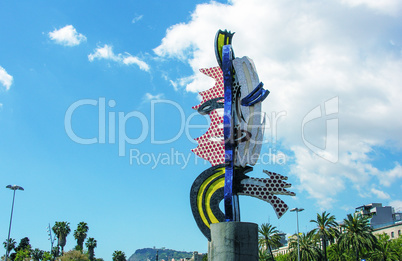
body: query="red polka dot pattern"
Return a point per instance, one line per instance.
(211, 146)
(272, 186)
(217, 90)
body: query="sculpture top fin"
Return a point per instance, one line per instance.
(222, 38)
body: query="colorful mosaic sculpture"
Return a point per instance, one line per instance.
(233, 141)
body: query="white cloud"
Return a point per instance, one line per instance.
(134, 60)
(137, 18)
(5, 79)
(182, 82)
(67, 36)
(149, 97)
(106, 53)
(397, 204)
(390, 7)
(307, 53)
(174, 84)
(390, 176)
(380, 194)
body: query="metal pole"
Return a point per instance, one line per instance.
(298, 243)
(9, 229)
(297, 210)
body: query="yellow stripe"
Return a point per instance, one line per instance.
(220, 183)
(201, 194)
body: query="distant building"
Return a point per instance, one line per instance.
(393, 231)
(196, 257)
(283, 240)
(378, 215)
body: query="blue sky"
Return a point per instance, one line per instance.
(122, 77)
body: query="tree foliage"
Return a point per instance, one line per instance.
(384, 249)
(74, 255)
(336, 253)
(24, 245)
(47, 256)
(91, 244)
(325, 230)
(22, 255)
(357, 235)
(309, 250)
(37, 254)
(119, 256)
(11, 244)
(268, 237)
(61, 229)
(80, 234)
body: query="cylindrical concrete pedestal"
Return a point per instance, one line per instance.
(233, 241)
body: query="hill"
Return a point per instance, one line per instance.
(150, 254)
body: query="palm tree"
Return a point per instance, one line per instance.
(335, 253)
(91, 244)
(61, 229)
(384, 250)
(269, 237)
(309, 251)
(326, 229)
(80, 234)
(357, 234)
(11, 245)
(119, 256)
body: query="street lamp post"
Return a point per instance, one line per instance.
(14, 188)
(297, 210)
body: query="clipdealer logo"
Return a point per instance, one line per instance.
(112, 130)
(329, 112)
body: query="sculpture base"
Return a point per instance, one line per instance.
(235, 241)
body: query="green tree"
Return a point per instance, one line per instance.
(119, 256)
(268, 237)
(11, 245)
(80, 234)
(12, 256)
(282, 257)
(23, 245)
(74, 255)
(91, 244)
(37, 254)
(55, 251)
(309, 251)
(61, 229)
(397, 245)
(325, 230)
(263, 255)
(22, 251)
(47, 256)
(336, 253)
(384, 250)
(357, 235)
(22, 254)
